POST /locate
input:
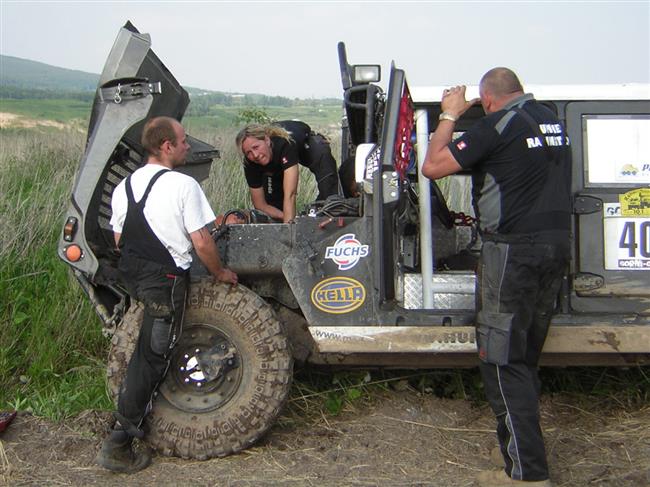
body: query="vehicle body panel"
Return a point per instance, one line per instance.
(134, 86)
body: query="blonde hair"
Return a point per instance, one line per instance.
(259, 131)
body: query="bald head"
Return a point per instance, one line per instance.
(501, 82)
(497, 87)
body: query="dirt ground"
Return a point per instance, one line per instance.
(399, 438)
(12, 120)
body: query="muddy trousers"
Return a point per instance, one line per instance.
(163, 295)
(322, 165)
(517, 285)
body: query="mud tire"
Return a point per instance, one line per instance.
(180, 424)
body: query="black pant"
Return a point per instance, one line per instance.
(322, 165)
(163, 295)
(516, 290)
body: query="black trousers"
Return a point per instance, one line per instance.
(163, 295)
(516, 291)
(322, 164)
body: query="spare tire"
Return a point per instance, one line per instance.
(200, 419)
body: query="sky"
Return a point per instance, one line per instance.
(290, 48)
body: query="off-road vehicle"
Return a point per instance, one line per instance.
(383, 279)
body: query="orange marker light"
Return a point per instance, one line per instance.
(73, 253)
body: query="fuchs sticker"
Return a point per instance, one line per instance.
(347, 251)
(337, 295)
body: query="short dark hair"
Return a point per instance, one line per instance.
(155, 132)
(501, 82)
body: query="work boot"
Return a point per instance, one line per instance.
(498, 478)
(496, 458)
(117, 454)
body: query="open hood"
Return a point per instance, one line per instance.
(133, 87)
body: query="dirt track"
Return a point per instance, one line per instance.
(402, 438)
(12, 120)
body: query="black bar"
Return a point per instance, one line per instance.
(383, 213)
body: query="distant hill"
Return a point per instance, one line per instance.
(39, 91)
(22, 78)
(23, 73)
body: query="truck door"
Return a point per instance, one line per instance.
(611, 184)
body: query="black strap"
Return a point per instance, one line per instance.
(138, 239)
(127, 426)
(143, 200)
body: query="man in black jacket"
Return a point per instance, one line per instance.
(521, 178)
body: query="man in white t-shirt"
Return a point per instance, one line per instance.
(159, 215)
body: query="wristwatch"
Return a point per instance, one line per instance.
(447, 116)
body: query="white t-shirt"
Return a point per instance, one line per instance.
(176, 207)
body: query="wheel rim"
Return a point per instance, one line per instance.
(185, 385)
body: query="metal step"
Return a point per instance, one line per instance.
(451, 290)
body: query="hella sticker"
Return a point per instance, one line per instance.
(338, 295)
(346, 251)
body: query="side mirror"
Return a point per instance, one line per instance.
(366, 73)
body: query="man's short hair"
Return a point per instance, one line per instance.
(501, 82)
(156, 131)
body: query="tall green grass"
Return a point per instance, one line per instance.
(51, 346)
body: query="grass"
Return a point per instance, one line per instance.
(51, 345)
(319, 391)
(58, 110)
(332, 392)
(625, 387)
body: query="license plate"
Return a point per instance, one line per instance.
(627, 240)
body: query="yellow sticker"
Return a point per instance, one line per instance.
(635, 202)
(338, 295)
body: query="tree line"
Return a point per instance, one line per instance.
(202, 103)
(19, 93)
